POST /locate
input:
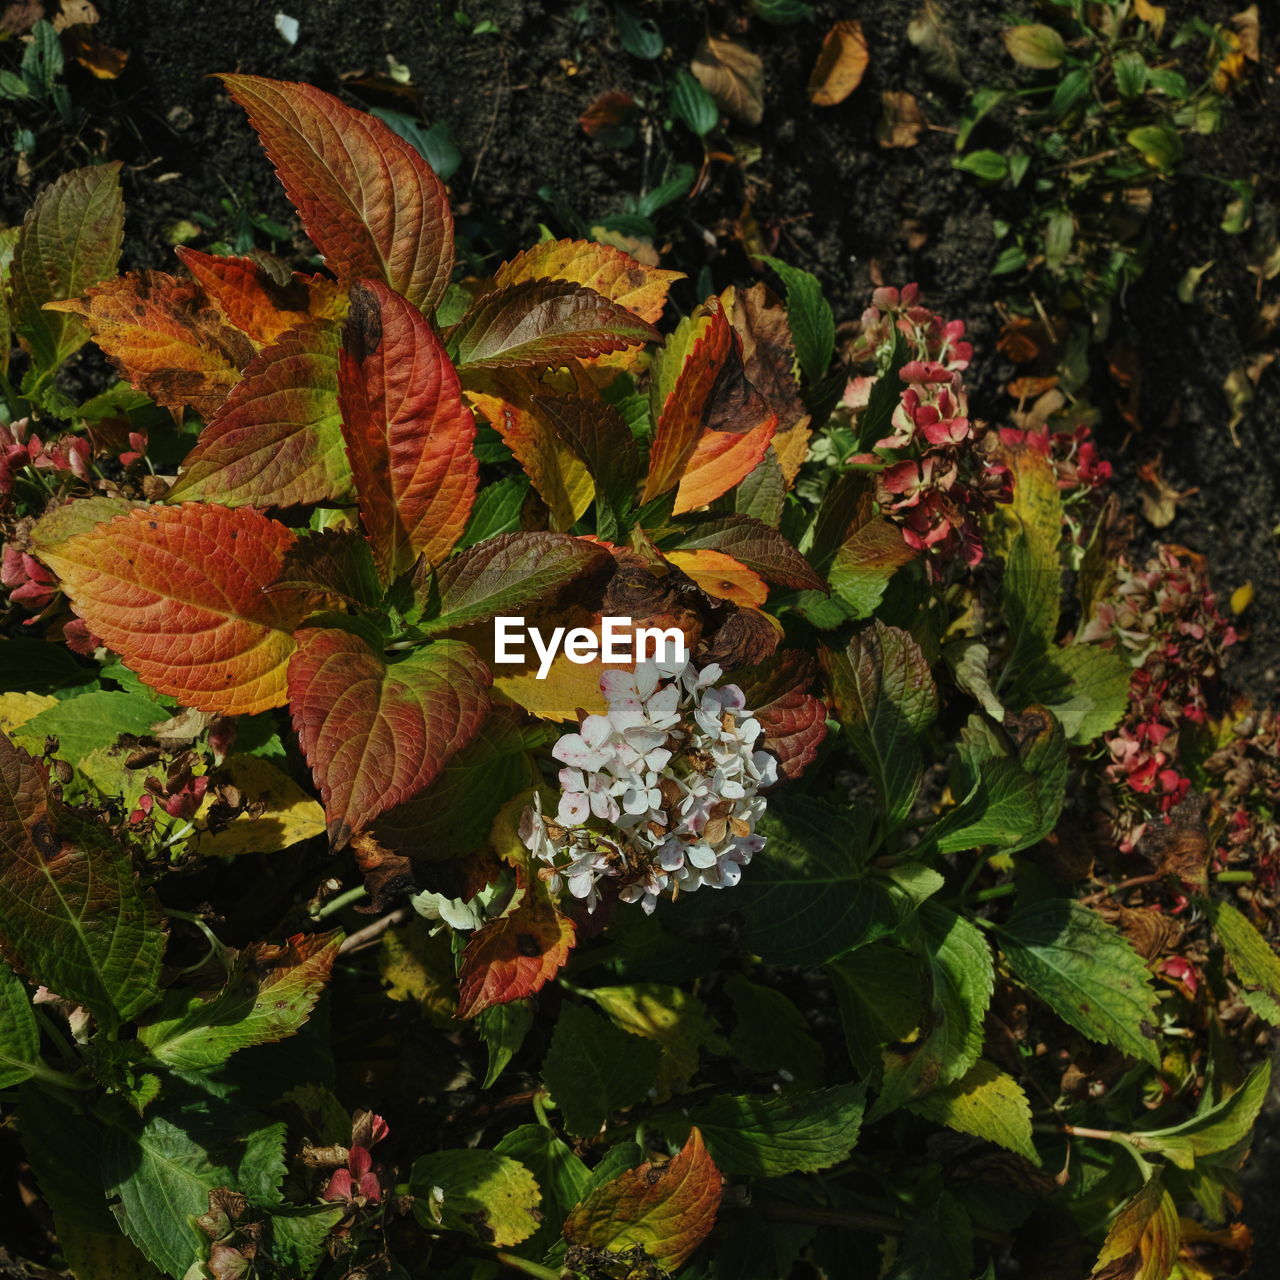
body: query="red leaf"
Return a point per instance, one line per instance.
(180, 594)
(375, 734)
(165, 337)
(544, 322)
(794, 720)
(277, 439)
(409, 435)
(369, 201)
(253, 300)
(668, 1209)
(515, 955)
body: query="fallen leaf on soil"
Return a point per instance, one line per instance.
(1152, 14)
(902, 121)
(608, 119)
(104, 62)
(75, 13)
(1159, 498)
(1247, 28)
(20, 16)
(1241, 598)
(733, 76)
(841, 64)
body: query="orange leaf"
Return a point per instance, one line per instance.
(721, 575)
(667, 1209)
(721, 459)
(515, 955)
(376, 734)
(255, 302)
(841, 64)
(409, 435)
(369, 201)
(277, 439)
(733, 76)
(180, 594)
(165, 337)
(609, 271)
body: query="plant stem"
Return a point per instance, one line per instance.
(517, 1263)
(372, 932)
(342, 900)
(1234, 877)
(51, 1075)
(996, 891)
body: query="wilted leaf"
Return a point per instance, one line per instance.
(367, 198)
(669, 1209)
(376, 733)
(258, 304)
(69, 241)
(269, 994)
(165, 338)
(608, 271)
(901, 121)
(722, 576)
(180, 593)
(841, 64)
(1158, 497)
(1035, 45)
(486, 1195)
(72, 916)
(409, 434)
(276, 441)
(1142, 1241)
(733, 76)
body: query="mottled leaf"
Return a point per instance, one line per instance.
(756, 545)
(276, 441)
(596, 434)
(369, 201)
(482, 1193)
(561, 1176)
(375, 733)
(1142, 1241)
(984, 1102)
(794, 720)
(722, 576)
(180, 593)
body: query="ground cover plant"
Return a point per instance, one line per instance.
(912, 926)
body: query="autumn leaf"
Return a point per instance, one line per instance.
(69, 241)
(667, 1209)
(593, 430)
(369, 201)
(794, 720)
(409, 435)
(544, 322)
(902, 121)
(180, 593)
(756, 545)
(515, 955)
(610, 272)
(276, 441)
(733, 76)
(256, 302)
(723, 576)
(841, 64)
(165, 338)
(1142, 1241)
(376, 733)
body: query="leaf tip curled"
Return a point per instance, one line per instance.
(362, 329)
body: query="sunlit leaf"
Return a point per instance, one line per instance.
(165, 338)
(723, 576)
(276, 441)
(376, 733)
(757, 546)
(1257, 966)
(794, 720)
(669, 1209)
(72, 916)
(984, 1102)
(180, 593)
(367, 198)
(1142, 1241)
(277, 813)
(482, 1193)
(841, 64)
(733, 76)
(409, 435)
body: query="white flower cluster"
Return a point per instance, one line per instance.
(670, 777)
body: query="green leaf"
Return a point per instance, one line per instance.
(984, 1102)
(1086, 972)
(1031, 594)
(981, 104)
(768, 1136)
(885, 698)
(640, 37)
(783, 13)
(880, 993)
(433, 142)
(562, 1177)
(763, 493)
(970, 661)
(772, 1036)
(1142, 1241)
(990, 166)
(70, 240)
(1131, 74)
(1035, 45)
(298, 1236)
(872, 552)
(158, 1174)
(1216, 1129)
(1059, 231)
(72, 915)
(1256, 964)
(593, 1068)
(809, 314)
(875, 421)
(937, 1244)
(497, 510)
(19, 1034)
(1014, 258)
(811, 895)
(509, 573)
(1086, 688)
(39, 666)
(482, 1193)
(89, 722)
(269, 994)
(1071, 88)
(691, 104)
(1158, 144)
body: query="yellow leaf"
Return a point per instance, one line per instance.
(418, 965)
(1152, 14)
(17, 708)
(841, 64)
(1242, 598)
(1142, 1242)
(288, 815)
(721, 575)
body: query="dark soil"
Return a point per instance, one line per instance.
(831, 198)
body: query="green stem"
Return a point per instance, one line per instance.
(996, 891)
(517, 1263)
(358, 894)
(51, 1075)
(1234, 877)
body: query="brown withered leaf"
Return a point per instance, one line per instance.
(733, 76)
(1226, 1251)
(1159, 498)
(75, 13)
(768, 352)
(608, 120)
(1249, 30)
(842, 62)
(1180, 846)
(387, 875)
(101, 60)
(902, 121)
(20, 16)
(1151, 932)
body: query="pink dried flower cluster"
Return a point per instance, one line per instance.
(1165, 615)
(936, 468)
(1247, 769)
